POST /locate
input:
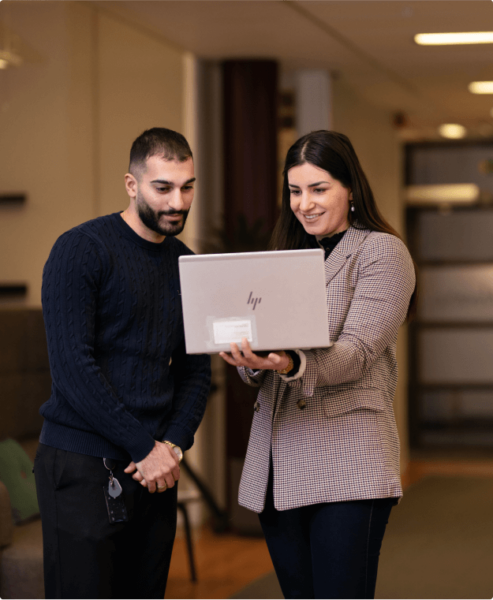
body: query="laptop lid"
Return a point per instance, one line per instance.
(277, 300)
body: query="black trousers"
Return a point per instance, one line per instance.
(84, 555)
(328, 550)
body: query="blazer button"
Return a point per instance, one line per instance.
(301, 404)
(256, 406)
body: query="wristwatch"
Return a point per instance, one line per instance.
(289, 367)
(176, 449)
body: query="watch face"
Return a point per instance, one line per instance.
(178, 452)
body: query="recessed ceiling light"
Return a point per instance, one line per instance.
(481, 87)
(448, 39)
(452, 131)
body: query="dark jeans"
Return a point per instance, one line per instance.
(84, 555)
(326, 550)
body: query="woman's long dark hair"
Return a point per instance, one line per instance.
(334, 153)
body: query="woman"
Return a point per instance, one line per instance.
(322, 466)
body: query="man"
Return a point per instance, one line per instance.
(126, 399)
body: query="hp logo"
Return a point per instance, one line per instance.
(253, 301)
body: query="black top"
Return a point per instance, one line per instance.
(329, 243)
(113, 318)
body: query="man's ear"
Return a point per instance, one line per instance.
(131, 185)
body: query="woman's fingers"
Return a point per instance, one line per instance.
(274, 358)
(227, 358)
(236, 359)
(245, 346)
(250, 359)
(247, 351)
(247, 358)
(235, 352)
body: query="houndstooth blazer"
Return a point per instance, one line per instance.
(331, 430)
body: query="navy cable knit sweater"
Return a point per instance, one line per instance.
(113, 318)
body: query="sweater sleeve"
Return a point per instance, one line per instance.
(192, 376)
(71, 280)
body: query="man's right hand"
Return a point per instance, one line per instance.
(158, 471)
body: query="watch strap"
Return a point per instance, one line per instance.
(173, 446)
(289, 367)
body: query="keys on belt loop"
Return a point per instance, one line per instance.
(114, 487)
(117, 511)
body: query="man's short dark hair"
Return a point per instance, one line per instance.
(171, 145)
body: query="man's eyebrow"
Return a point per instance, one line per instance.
(164, 182)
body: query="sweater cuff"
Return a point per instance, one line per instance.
(140, 447)
(176, 434)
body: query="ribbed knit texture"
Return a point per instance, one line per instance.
(113, 318)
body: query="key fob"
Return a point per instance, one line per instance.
(117, 511)
(114, 488)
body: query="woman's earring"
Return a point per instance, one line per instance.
(352, 207)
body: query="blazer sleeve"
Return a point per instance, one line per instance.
(253, 378)
(385, 283)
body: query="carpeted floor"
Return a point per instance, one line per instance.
(439, 544)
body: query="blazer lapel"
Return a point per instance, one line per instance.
(344, 249)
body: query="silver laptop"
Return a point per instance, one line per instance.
(274, 299)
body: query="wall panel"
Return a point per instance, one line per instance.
(140, 85)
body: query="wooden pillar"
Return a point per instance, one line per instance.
(250, 145)
(250, 99)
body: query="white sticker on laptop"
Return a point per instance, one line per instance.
(227, 331)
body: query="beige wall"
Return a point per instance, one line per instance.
(67, 120)
(34, 150)
(380, 152)
(140, 85)
(377, 146)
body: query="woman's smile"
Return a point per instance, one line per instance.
(312, 217)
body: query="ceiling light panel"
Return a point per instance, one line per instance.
(481, 87)
(451, 193)
(452, 39)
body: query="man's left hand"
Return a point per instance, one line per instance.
(158, 471)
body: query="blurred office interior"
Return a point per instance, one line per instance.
(79, 80)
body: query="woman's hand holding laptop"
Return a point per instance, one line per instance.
(276, 361)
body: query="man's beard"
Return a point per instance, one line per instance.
(151, 218)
